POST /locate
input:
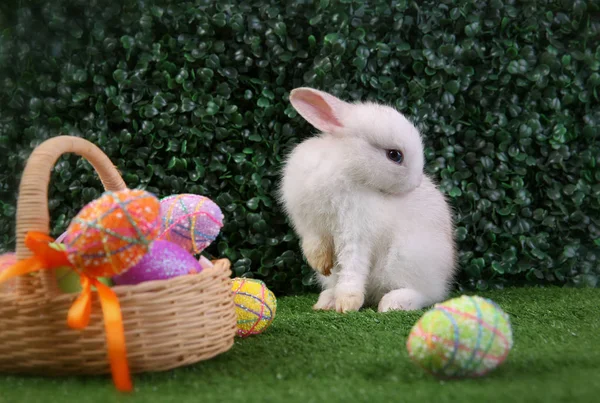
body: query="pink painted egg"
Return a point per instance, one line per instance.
(164, 260)
(7, 260)
(191, 221)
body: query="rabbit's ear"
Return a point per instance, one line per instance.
(320, 109)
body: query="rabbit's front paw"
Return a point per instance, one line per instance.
(319, 254)
(348, 301)
(326, 301)
(403, 299)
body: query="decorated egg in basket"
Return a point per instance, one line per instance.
(67, 279)
(164, 260)
(6, 261)
(112, 233)
(191, 221)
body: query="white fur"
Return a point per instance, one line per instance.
(386, 226)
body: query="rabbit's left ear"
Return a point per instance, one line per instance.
(320, 109)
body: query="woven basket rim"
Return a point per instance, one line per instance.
(218, 264)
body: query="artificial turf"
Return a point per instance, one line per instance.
(308, 356)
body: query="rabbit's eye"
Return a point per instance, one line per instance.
(395, 155)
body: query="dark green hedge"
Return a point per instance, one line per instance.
(192, 96)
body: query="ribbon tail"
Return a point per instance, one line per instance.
(115, 337)
(79, 313)
(22, 267)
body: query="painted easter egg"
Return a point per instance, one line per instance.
(190, 221)
(205, 263)
(6, 261)
(112, 233)
(67, 279)
(255, 305)
(164, 260)
(466, 336)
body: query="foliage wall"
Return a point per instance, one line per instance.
(192, 96)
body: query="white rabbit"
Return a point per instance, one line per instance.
(371, 222)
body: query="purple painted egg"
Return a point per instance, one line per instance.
(164, 260)
(191, 221)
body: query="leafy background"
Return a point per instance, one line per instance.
(192, 96)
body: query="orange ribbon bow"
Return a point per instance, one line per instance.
(45, 257)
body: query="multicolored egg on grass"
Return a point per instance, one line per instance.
(112, 233)
(7, 260)
(165, 260)
(463, 337)
(191, 221)
(255, 306)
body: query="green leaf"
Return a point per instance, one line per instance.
(252, 203)
(263, 102)
(452, 87)
(119, 75)
(159, 101)
(127, 41)
(472, 30)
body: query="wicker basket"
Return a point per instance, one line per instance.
(167, 323)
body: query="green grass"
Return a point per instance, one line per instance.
(311, 356)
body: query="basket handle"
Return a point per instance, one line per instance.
(32, 205)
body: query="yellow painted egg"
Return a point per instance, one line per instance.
(255, 306)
